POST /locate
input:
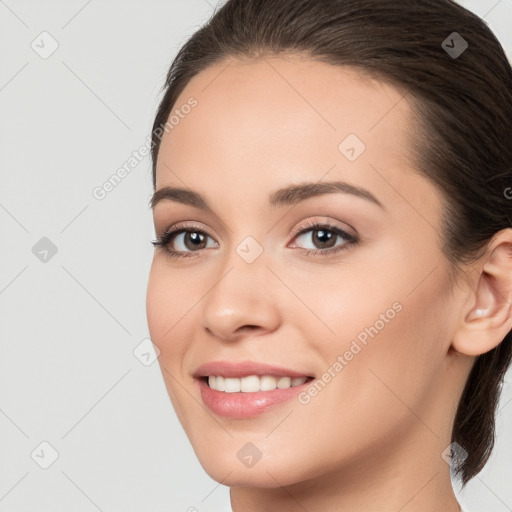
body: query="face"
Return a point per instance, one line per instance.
(338, 284)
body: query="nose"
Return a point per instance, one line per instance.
(242, 300)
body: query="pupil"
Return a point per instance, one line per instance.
(323, 237)
(196, 238)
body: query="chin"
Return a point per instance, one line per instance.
(225, 467)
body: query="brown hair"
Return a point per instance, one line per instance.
(463, 143)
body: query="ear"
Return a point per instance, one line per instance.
(488, 319)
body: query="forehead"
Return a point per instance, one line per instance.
(271, 121)
(290, 88)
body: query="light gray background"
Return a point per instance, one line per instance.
(69, 326)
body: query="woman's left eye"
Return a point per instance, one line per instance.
(322, 236)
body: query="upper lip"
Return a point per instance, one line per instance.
(244, 369)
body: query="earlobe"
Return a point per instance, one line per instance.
(489, 319)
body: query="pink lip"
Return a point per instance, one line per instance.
(244, 405)
(244, 369)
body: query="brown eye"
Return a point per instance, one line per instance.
(324, 237)
(183, 241)
(192, 240)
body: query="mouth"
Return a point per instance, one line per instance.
(252, 383)
(247, 389)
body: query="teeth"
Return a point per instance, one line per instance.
(249, 384)
(268, 383)
(231, 385)
(253, 383)
(284, 382)
(219, 384)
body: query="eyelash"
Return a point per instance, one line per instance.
(165, 239)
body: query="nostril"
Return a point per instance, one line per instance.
(248, 327)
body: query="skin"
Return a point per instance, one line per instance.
(372, 438)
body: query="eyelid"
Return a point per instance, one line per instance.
(325, 221)
(188, 226)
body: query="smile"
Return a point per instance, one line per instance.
(253, 383)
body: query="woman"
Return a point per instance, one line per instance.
(332, 281)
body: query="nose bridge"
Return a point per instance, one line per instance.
(240, 295)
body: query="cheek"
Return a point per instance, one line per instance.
(170, 299)
(169, 302)
(156, 302)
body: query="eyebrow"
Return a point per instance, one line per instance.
(289, 195)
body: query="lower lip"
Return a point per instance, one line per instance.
(245, 405)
